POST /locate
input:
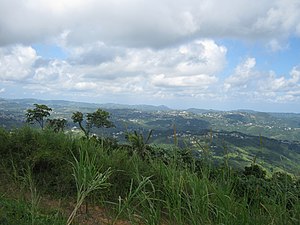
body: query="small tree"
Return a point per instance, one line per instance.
(38, 114)
(57, 124)
(98, 119)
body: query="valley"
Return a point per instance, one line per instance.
(241, 136)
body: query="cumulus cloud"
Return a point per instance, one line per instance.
(145, 24)
(16, 62)
(282, 16)
(274, 84)
(248, 82)
(188, 70)
(144, 71)
(162, 49)
(243, 76)
(200, 81)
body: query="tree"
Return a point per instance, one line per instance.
(38, 114)
(57, 124)
(77, 117)
(98, 119)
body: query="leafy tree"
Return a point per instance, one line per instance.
(99, 118)
(57, 124)
(38, 114)
(77, 117)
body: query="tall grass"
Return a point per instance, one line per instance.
(88, 177)
(24, 207)
(177, 189)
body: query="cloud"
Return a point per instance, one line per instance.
(189, 70)
(249, 83)
(162, 49)
(243, 75)
(126, 71)
(52, 72)
(282, 18)
(281, 84)
(2, 90)
(275, 45)
(200, 81)
(16, 62)
(133, 23)
(94, 53)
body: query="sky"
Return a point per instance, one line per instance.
(209, 54)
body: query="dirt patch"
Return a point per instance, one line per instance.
(95, 215)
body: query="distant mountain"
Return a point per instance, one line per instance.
(244, 111)
(200, 111)
(62, 103)
(136, 107)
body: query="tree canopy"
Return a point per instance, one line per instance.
(99, 118)
(57, 124)
(38, 114)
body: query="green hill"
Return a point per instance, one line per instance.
(56, 178)
(243, 136)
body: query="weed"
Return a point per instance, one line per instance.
(88, 178)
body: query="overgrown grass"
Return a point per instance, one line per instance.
(170, 187)
(13, 212)
(88, 177)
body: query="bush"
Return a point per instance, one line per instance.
(47, 154)
(255, 170)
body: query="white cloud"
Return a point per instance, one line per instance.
(281, 19)
(281, 84)
(191, 66)
(199, 81)
(145, 24)
(159, 48)
(249, 83)
(2, 90)
(243, 76)
(16, 62)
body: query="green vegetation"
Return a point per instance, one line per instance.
(17, 211)
(198, 176)
(138, 143)
(57, 124)
(169, 186)
(88, 178)
(38, 114)
(98, 119)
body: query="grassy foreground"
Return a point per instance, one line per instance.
(54, 178)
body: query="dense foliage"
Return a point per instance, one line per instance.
(38, 114)
(143, 184)
(99, 118)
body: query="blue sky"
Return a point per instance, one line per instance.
(50, 51)
(184, 53)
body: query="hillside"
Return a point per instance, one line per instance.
(242, 136)
(49, 178)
